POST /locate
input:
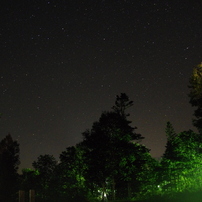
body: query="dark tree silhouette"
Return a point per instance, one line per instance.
(107, 143)
(121, 104)
(9, 162)
(196, 95)
(171, 135)
(28, 179)
(45, 165)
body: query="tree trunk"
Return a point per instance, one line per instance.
(129, 190)
(113, 190)
(104, 194)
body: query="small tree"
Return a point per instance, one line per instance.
(181, 163)
(71, 174)
(45, 165)
(28, 180)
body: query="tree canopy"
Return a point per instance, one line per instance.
(111, 162)
(196, 95)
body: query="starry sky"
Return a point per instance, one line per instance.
(64, 62)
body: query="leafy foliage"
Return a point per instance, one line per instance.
(181, 163)
(45, 166)
(196, 95)
(110, 163)
(112, 154)
(72, 168)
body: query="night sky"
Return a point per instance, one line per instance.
(64, 62)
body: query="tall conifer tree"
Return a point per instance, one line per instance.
(107, 146)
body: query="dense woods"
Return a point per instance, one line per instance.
(110, 163)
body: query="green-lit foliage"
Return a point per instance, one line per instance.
(181, 163)
(29, 180)
(137, 174)
(69, 175)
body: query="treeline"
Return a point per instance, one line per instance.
(110, 163)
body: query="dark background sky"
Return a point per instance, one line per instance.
(63, 63)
